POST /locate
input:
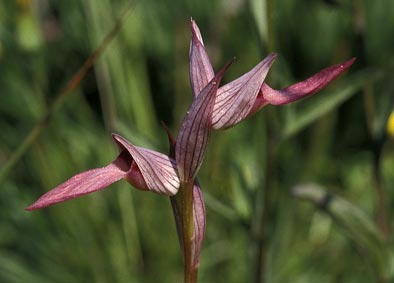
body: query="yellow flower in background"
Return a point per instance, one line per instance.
(390, 125)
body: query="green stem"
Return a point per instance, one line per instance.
(186, 195)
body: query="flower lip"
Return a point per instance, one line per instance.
(307, 87)
(126, 163)
(300, 90)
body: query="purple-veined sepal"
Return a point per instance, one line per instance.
(194, 133)
(235, 100)
(201, 71)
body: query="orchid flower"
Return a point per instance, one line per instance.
(247, 94)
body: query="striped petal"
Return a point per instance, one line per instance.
(193, 135)
(201, 71)
(300, 90)
(157, 169)
(235, 99)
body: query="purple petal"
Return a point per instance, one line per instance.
(193, 135)
(299, 90)
(235, 100)
(201, 71)
(81, 184)
(199, 223)
(157, 169)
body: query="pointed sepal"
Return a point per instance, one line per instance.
(194, 133)
(201, 71)
(235, 99)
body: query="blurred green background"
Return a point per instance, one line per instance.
(334, 150)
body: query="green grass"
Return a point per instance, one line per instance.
(124, 235)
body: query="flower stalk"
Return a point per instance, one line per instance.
(186, 196)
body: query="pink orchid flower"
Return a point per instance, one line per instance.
(247, 94)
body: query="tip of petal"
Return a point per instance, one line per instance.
(196, 33)
(36, 206)
(271, 57)
(171, 140)
(220, 74)
(30, 208)
(116, 136)
(345, 65)
(119, 140)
